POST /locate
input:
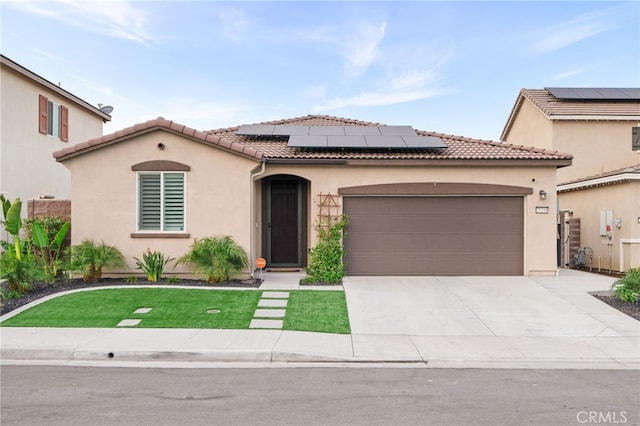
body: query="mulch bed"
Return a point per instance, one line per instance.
(629, 308)
(40, 289)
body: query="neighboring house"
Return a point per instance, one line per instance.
(599, 195)
(418, 203)
(37, 118)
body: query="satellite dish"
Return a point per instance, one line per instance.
(107, 109)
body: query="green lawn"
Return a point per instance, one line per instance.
(307, 310)
(316, 310)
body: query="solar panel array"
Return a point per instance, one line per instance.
(595, 93)
(346, 137)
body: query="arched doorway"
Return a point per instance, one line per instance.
(284, 221)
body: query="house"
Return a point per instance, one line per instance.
(599, 195)
(39, 117)
(418, 203)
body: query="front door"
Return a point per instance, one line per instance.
(284, 221)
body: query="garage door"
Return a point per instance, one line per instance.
(434, 235)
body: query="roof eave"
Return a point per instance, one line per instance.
(49, 85)
(210, 140)
(607, 180)
(574, 117)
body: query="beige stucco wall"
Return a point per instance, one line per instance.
(624, 200)
(220, 190)
(104, 195)
(531, 128)
(540, 232)
(27, 168)
(597, 146)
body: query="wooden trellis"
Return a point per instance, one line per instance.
(329, 209)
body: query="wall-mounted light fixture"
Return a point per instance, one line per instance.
(543, 194)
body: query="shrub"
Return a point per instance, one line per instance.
(90, 258)
(152, 264)
(218, 258)
(627, 288)
(325, 259)
(47, 236)
(20, 272)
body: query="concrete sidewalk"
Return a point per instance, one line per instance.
(468, 322)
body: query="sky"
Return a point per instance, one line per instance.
(443, 66)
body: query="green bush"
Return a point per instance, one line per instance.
(90, 258)
(152, 264)
(627, 288)
(325, 259)
(47, 237)
(20, 272)
(218, 258)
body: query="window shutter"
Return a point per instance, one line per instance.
(64, 124)
(43, 114)
(173, 202)
(149, 193)
(635, 139)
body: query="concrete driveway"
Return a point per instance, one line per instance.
(485, 306)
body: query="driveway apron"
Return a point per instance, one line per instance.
(484, 306)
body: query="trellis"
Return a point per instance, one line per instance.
(329, 209)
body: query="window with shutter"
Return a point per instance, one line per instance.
(64, 124)
(43, 114)
(53, 119)
(635, 138)
(161, 201)
(173, 202)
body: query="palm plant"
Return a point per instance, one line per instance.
(218, 258)
(90, 258)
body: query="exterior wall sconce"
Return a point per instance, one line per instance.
(543, 194)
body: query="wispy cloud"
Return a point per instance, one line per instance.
(563, 34)
(234, 24)
(116, 18)
(358, 42)
(408, 87)
(361, 49)
(566, 74)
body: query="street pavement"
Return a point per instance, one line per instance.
(426, 322)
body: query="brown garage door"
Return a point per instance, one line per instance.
(434, 235)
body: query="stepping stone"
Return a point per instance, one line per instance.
(272, 303)
(275, 295)
(270, 313)
(142, 310)
(266, 323)
(128, 323)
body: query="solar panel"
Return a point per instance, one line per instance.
(346, 137)
(595, 93)
(397, 130)
(362, 131)
(298, 141)
(424, 142)
(346, 142)
(290, 130)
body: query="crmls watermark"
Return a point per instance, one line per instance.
(602, 417)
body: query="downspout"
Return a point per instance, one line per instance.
(254, 224)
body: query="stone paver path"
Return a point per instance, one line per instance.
(271, 310)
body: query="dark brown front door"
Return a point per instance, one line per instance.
(284, 220)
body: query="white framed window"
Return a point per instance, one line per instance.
(161, 201)
(53, 119)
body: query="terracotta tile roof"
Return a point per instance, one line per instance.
(459, 148)
(551, 106)
(152, 125)
(632, 169)
(258, 148)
